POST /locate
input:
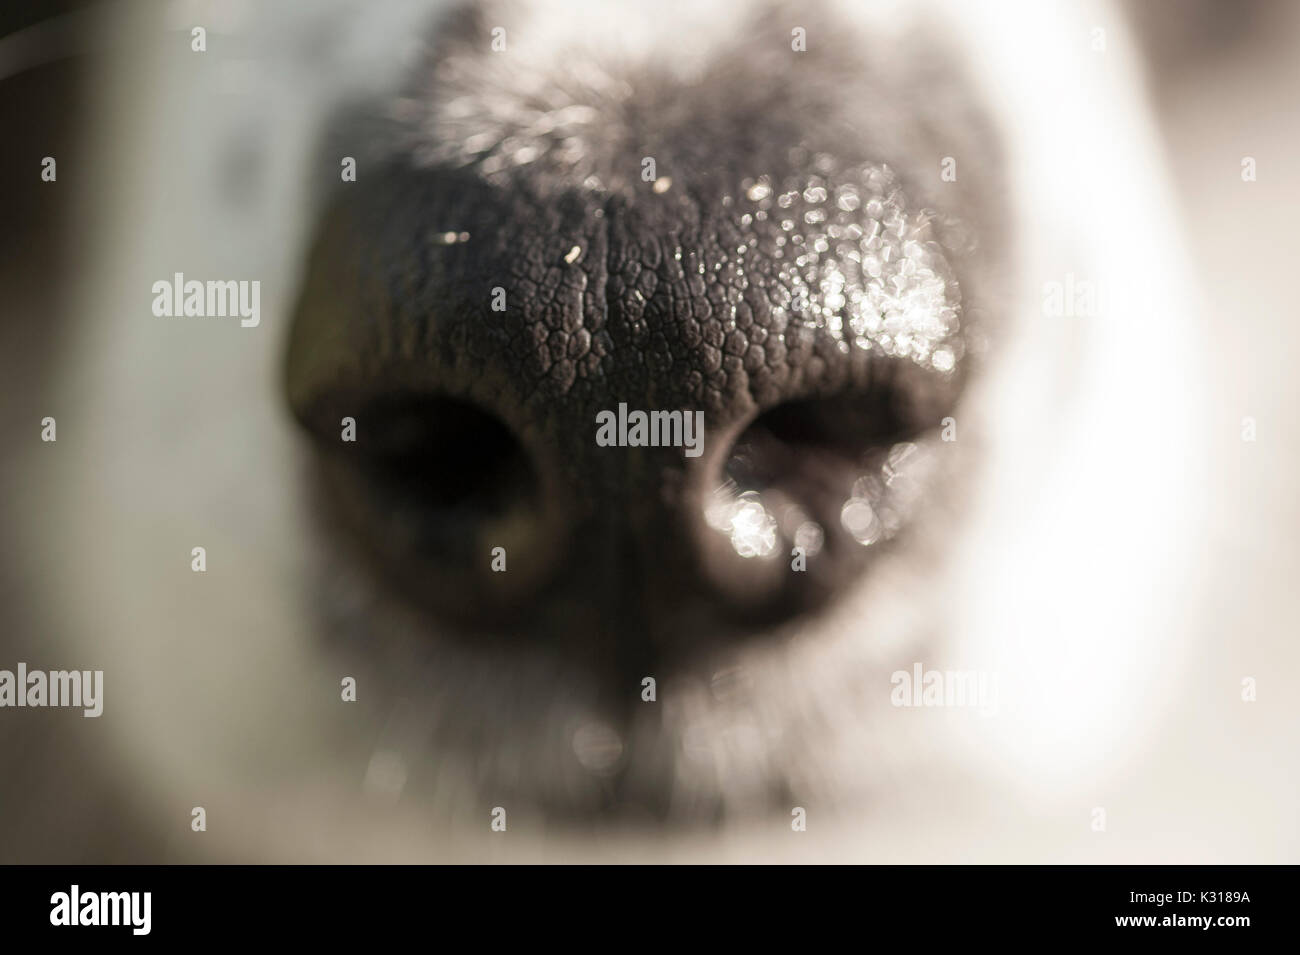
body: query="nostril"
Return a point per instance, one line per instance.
(802, 443)
(448, 455)
(445, 499)
(811, 490)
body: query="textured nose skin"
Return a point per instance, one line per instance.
(770, 259)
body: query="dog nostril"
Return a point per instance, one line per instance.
(801, 444)
(459, 463)
(445, 499)
(810, 490)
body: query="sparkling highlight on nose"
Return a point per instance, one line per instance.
(751, 527)
(857, 261)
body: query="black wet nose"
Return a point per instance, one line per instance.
(660, 413)
(650, 410)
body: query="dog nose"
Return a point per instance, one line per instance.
(641, 367)
(666, 416)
